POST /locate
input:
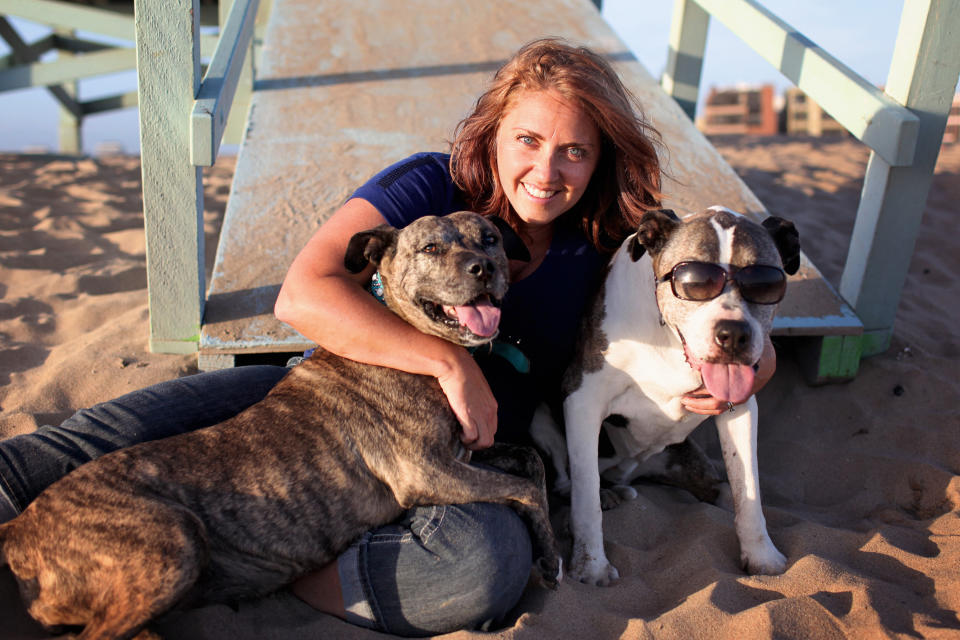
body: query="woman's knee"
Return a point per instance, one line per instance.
(501, 544)
(486, 557)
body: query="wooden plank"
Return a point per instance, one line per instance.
(209, 117)
(122, 101)
(870, 115)
(67, 69)
(923, 76)
(168, 75)
(347, 87)
(68, 15)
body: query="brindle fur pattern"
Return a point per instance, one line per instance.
(241, 509)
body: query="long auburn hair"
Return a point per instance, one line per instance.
(626, 181)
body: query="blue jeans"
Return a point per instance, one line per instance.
(436, 570)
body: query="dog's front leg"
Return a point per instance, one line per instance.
(738, 440)
(589, 562)
(546, 434)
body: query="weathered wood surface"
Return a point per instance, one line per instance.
(346, 88)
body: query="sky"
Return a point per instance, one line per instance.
(860, 33)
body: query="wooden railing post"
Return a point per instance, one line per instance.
(168, 76)
(923, 77)
(688, 43)
(70, 129)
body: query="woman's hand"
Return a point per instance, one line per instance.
(472, 402)
(700, 401)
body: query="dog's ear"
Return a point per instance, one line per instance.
(787, 239)
(513, 244)
(368, 246)
(652, 233)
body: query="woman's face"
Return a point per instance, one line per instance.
(547, 150)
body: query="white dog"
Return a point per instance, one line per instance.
(684, 303)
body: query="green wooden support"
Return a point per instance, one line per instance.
(829, 359)
(688, 43)
(923, 77)
(70, 128)
(168, 76)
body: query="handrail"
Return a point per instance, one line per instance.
(215, 96)
(865, 111)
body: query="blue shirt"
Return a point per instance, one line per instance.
(541, 312)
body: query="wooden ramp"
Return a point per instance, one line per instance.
(345, 88)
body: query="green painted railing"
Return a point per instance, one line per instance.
(902, 124)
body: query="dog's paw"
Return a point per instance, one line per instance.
(764, 560)
(611, 497)
(594, 571)
(550, 570)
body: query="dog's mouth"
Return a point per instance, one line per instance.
(480, 316)
(726, 381)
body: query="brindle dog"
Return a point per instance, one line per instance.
(242, 508)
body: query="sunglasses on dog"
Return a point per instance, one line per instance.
(701, 281)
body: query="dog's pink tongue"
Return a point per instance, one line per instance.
(481, 318)
(728, 382)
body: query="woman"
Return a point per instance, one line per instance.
(556, 149)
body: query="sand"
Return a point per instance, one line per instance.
(860, 480)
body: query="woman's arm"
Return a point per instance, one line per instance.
(330, 306)
(700, 401)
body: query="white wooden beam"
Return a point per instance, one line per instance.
(67, 69)
(168, 76)
(69, 15)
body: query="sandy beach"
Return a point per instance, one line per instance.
(861, 481)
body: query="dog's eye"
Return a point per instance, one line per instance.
(429, 248)
(490, 239)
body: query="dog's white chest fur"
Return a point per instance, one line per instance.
(639, 344)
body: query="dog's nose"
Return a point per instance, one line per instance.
(480, 267)
(731, 335)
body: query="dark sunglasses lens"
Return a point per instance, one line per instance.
(698, 281)
(761, 284)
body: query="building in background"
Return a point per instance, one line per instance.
(757, 111)
(803, 116)
(743, 111)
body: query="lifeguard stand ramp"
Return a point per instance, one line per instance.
(345, 88)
